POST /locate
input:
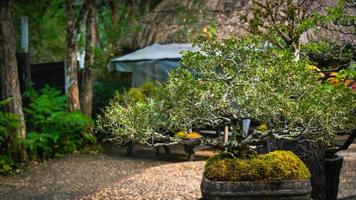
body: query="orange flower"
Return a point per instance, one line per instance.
(347, 82)
(333, 80)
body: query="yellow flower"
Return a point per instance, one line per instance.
(316, 69)
(333, 74)
(321, 75)
(313, 68)
(205, 30)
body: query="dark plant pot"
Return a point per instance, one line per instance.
(259, 190)
(332, 173)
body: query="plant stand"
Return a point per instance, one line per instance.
(189, 149)
(130, 148)
(166, 150)
(332, 172)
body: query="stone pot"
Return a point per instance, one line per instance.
(259, 190)
(332, 174)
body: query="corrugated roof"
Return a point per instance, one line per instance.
(157, 52)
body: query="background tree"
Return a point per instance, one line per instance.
(88, 72)
(9, 74)
(47, 28)
(72, 45)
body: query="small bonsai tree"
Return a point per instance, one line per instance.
(229, 81)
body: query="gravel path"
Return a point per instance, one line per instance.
(69, 177)
(115, 176)
(74, 176)
(171, 181)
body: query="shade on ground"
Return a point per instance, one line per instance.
(170, 181)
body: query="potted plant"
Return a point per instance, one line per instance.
(229, 81)
(277, 175)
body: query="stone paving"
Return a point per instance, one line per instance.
(69, 177)
(182, 181)
(171, 181)
(143, 176)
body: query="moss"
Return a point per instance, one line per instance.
(262, 128)
(218, 157)
(185, 135)
(275, 166)
(180, 134)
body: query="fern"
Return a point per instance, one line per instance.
(54, 130)
(8, 124)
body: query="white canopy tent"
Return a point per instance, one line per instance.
(151, 63)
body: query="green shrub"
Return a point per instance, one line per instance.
(275, 166)
(54, 131)
(137, 94)
(43, 105)
(107, 86)
(6, 164)
(130, 105)
(8, 123)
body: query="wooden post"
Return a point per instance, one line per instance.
(226, 134)
(24, 69)
(24, 33)
(23, 58)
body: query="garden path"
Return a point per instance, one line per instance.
(182, 181)
(115, 176)
(74, 176)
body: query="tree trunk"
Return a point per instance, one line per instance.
(70, 65)
(88, 75)
(10, 86)
(296, 49)
(113, 12)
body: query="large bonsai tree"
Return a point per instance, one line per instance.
(229, 81)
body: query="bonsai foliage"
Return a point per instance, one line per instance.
(229, 81)
(275, 166)
(282, 22)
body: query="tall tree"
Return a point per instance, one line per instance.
(72, 40)
(9, 73)
(88, 74)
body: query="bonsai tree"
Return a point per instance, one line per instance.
(229, 81)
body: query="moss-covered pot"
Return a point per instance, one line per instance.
(256, 190)
(276, 175)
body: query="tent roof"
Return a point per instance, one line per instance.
(157, 52)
